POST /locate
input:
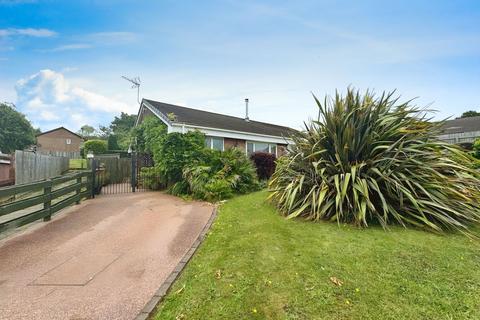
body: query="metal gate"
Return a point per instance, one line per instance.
(114, 175)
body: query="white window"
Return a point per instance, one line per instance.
(215, 143)
(261, 147)
(69, 141)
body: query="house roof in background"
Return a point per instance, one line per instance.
(59, 128)
(200, 118)
(460, 125)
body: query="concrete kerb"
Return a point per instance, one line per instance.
(148, 309)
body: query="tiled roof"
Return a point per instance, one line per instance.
(202, 118)
(460, 125)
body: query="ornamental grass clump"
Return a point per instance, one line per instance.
(372, 160)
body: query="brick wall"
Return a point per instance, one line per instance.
(57, 141)
(234, 143)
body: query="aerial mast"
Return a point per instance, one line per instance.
(135, 85)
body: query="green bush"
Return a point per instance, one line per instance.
(174, 151)
(185, 167)
(371, 159)
(151, 178)
(220, 175)
(476, 148)
(95, 146)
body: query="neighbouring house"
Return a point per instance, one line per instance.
(221, 131)
(59, 140)
(461, 130)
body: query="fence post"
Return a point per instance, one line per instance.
(79, 188)
(134, 169)
(94, 173)
(47, 192)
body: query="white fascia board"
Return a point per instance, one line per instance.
(159, 115)
(214, 132)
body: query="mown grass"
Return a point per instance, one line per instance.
(254, 264)
(75, 164)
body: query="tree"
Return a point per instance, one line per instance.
(470, 113)
(103, 132)
(112, 142)
(123, 123)
(16, 132)
(122, 128)
(86, 131)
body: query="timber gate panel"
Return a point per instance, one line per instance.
(115, 175)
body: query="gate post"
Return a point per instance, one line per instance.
(134, 172)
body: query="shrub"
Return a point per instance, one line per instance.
(265, 164)
(149, 134)
(186, 167)
(371, 159)
(95, 146)
(476, 148)
(174, 151)
(151, 178)
(219, 175)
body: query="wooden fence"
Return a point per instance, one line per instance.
(66, 154)
(30, 167)
(22, 204)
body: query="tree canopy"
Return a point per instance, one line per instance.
(16, 132)
(121, 127)
(470, 113)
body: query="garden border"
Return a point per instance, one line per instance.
(148, 309)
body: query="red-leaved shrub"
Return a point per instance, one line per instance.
(265, 164)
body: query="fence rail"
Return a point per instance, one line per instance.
(22, 204)
(66, 154)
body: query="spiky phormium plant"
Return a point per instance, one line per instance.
(370, 159)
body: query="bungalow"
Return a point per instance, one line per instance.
(461, 130)
(221, 131)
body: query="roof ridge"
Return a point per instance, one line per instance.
(220, 114)
(58, 128)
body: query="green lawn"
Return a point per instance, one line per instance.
(254, 264)
(78, 164)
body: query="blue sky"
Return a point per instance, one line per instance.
(61, 61)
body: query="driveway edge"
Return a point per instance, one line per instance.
(148, 309)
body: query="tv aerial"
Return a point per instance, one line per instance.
(135, 85)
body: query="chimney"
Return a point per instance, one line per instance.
(246, 110)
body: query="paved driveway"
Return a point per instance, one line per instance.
(102, 259)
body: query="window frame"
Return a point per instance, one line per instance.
(210, 146)
(68, 141)
(270, 145)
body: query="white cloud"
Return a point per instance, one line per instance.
(31, 32)
(69, 47)
(48, 98)
(113, 37)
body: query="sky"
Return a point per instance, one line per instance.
(61, 62)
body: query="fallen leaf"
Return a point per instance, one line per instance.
(180, 290)
(218, 274)
(336, 281)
